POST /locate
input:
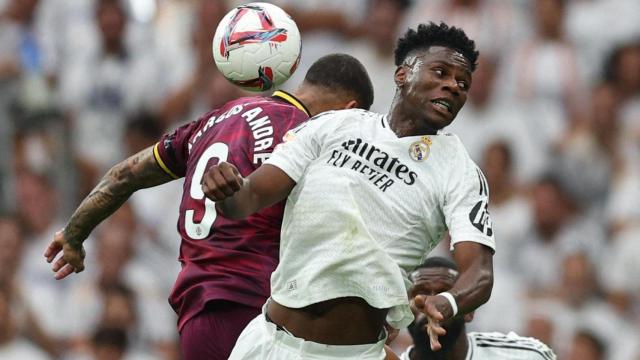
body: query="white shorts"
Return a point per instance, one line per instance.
(261, 340)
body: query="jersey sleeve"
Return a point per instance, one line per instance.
(301, 146)
(466, 205)
(172, 151)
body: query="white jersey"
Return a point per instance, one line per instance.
(498, 346)
(368, 207)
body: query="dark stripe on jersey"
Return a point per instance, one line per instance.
(382, 122)
(524, 343)
(289, 98)
(544, 354)
(532, 342)
(480, 181)
(484, 187)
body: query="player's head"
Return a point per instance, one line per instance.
(336, 81)
(433, 75)
(112, 21)
(433, 276)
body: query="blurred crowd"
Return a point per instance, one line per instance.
(553, 119)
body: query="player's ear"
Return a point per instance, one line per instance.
(468, 317)
(400, 76)
(352, 104)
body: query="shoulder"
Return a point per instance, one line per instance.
(512, 342)
(348, 118)
(454, 144)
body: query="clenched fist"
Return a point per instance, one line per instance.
(221, 181)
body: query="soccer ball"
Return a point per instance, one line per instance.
(257, 46)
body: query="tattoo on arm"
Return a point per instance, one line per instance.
(137, 172)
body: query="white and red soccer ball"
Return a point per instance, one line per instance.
(257, 46)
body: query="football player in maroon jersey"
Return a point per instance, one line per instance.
(226, 264)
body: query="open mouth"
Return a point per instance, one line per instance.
(443, 104)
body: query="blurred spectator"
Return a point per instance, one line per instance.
(375, 48)
(100, 88)
(37, 208)
(149, 321)
(11, 256)
(156, 209)
(594, 26)
(623, 70)
(622, 278)
(525, 116)
(12, 347)
(22, 56)
(558, 229)
(543, 77)
(586, 346)
(495, 25)
(592, 153)
(509, 209)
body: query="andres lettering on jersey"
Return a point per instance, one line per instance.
(225, 259)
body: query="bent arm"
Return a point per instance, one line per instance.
(238, 198)
(473, 287)
(137, 172)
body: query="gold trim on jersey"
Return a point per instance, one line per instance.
(164, 167)
(291, 99)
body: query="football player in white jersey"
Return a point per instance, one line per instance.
(439, 274)
(368, 196)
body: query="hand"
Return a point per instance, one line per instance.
(72, 259)
(221, 181)
(433, 308)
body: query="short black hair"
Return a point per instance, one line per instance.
(438, 262)
(342, 72)
(145, 123)
(431, 34)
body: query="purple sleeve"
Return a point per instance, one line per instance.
(172, 151)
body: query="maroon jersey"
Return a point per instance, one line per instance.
(225, 259)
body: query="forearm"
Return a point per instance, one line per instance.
(104, 200)
(473, 286)
(242, 204)
(137, 172)
(472, 289)
(237, 199)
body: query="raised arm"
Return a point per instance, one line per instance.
(237, 197)
(137, 172)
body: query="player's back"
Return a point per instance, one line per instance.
(494, 345)
(226, 259)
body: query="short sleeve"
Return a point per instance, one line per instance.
(301, 146)
(172, 151)
(466, 205)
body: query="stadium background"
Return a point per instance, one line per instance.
(553, 119)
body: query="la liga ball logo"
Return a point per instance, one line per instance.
(268, 33)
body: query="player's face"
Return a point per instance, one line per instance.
(434, 84)
(431, 281)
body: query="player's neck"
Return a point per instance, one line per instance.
(405, 122)
(309, 99)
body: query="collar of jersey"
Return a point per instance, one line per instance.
(385, 124)
(283, 95)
